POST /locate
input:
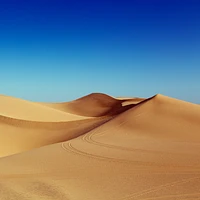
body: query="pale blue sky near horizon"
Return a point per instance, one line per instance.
(60, 50)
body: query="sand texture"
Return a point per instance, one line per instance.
(100, 148)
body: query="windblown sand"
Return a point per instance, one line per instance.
(100, 148)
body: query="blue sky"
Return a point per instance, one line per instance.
(63, 49)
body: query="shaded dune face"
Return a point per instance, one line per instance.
(95, 105)
(121, 149)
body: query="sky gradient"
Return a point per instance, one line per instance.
(63, 49)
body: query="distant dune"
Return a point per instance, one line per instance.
(100, 148)
(93, 105)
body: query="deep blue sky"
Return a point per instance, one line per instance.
(63, 49)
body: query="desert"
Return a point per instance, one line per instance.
(99, 100)
(100, 147)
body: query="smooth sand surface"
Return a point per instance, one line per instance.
(110, 149)
(20, 109)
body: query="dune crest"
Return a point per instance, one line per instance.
(120, 150)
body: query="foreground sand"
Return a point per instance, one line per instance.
(100, 148)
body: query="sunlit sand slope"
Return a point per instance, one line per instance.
(151, 151)
(26, 110)
(17, 135)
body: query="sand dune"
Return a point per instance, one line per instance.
(26, 110)
(95, 105)
(126, 151)
(25, 125)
